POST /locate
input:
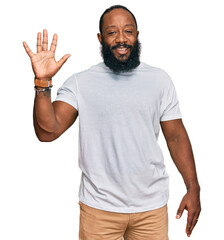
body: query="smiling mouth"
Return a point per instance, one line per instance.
(121, 50)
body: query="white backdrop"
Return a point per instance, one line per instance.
(39, 182)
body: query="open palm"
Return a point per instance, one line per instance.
(43, 62)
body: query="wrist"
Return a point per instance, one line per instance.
(193, 186)
(42, 82)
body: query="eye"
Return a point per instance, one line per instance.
(128, 31)
(111, 33)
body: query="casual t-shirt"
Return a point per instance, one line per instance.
(119, 122)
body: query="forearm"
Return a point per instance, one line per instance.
(43, 113)
(182, 155)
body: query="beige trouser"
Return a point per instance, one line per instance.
(98, 224)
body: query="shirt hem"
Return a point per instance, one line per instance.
(171, 117)
(124, 210)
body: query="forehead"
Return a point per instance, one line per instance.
(118, 17)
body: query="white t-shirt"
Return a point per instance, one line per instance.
(119, 122)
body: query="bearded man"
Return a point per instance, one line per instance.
(121, 103)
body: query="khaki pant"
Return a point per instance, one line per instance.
(98, 224)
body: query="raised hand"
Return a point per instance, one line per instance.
(43, 62)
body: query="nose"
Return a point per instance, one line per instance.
(120, 38)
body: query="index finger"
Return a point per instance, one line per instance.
(28, 51)
(54, 43)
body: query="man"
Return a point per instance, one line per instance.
(121, 104)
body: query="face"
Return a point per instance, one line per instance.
(119, 33)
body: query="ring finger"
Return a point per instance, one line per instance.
(38, 42)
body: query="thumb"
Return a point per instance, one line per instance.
(180, 210)
(63, 60)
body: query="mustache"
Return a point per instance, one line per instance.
(121, 45)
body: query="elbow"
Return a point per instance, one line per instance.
(178, 140)
(174, 140)
(45, 137)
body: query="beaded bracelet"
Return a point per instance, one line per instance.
(42, 89)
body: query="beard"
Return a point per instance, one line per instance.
(119, 66)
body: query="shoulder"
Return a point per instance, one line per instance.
(144, 67)
(73, 78)
(92, 70)
(156, 73)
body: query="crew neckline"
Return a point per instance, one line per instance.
(101, 67)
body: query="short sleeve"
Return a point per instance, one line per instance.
(169, 108)
(68, 92)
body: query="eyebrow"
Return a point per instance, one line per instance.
(126, 25)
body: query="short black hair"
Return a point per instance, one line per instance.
(110, 9)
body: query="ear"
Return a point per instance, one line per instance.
(137, 33)
(99, 37)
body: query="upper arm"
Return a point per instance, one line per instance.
(173, 129)
(65, 115)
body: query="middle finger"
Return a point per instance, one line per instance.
(45, 40)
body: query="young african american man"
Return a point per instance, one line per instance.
(121, 103)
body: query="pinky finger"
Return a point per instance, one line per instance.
(63, 60)
(28, 51)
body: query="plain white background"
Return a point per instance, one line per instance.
(39, 182)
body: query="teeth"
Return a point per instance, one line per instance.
(122, 49)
